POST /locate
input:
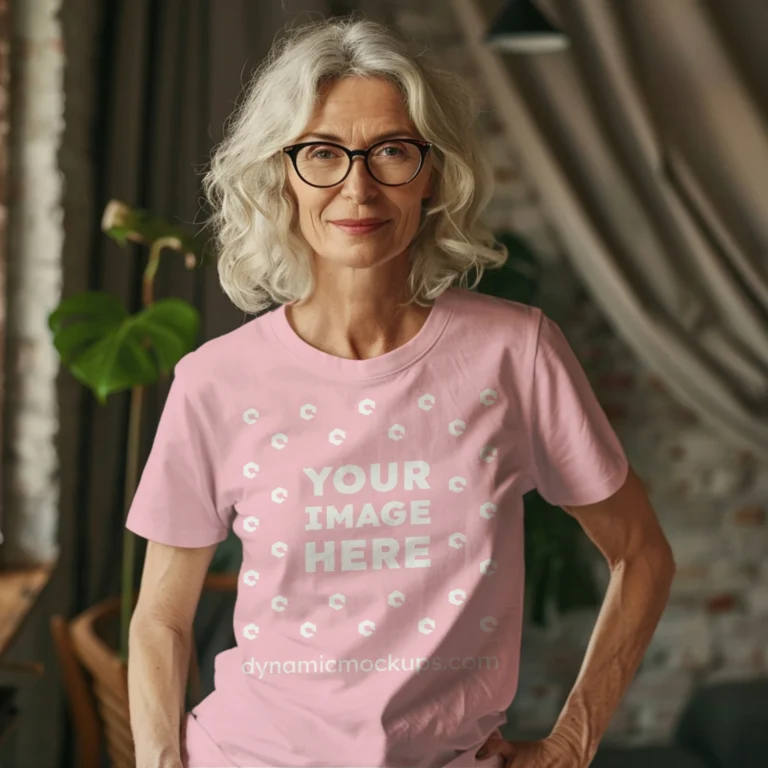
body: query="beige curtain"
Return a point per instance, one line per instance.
(648, 141)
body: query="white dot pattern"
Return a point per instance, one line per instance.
(458, 428)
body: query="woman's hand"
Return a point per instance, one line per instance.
(546, 753)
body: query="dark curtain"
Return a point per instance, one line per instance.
(168, 75)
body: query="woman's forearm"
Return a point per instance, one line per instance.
(157, 678)
(635, 600)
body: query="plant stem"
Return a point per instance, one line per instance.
(132, 457)
(153, 263)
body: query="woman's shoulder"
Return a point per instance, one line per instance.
(227, 355)
(486, 313)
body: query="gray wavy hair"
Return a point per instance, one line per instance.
(262, 255)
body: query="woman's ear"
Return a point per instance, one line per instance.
(429, 191)
(434, 180)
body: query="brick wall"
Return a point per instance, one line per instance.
(34, 275)
(711, 497)
(5, 77)
(31, 416)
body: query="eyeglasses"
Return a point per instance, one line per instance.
(392, 162)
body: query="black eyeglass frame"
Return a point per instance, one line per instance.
(294, 149)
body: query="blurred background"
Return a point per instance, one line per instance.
(629, 140)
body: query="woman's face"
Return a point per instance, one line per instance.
(358, 112)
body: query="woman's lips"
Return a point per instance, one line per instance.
(358, 230)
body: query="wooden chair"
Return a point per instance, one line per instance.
(96, 680)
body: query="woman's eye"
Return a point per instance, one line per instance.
(321, 153)
(394, 151)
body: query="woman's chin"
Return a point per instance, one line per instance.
(357, 256)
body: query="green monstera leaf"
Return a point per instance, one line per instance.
(108, 350)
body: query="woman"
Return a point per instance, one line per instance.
(370, 441)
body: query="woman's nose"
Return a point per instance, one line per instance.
(359, 184)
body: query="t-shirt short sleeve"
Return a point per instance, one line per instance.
(575, 455)
(176, 500)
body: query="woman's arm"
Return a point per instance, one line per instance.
(627, 532)
(159, 646)
(625, 529)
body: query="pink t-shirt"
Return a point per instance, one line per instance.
(379, 504)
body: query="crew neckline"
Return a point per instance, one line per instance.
(345, 368)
